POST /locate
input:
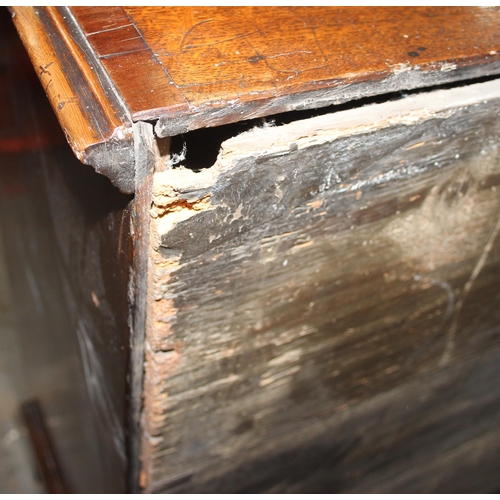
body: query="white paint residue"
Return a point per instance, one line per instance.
(448, 67)
(445, 286)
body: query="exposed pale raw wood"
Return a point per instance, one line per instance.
(314, 268)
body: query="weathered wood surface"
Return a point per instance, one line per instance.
(321, 301)
(193, 67)
(444, 438)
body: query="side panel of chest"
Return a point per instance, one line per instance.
(316, 269)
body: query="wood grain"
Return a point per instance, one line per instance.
(128, 58)
(212, 65)
(187, 68)
(318, 267)
(93, 118)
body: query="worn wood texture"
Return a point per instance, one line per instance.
(230, 64)
(92, 241)
(193, 67)
(146, 156)
(315, 300)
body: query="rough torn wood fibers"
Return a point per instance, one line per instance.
(308, 282)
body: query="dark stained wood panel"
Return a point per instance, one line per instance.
(225, 64)
(300, 287)
(67, 235)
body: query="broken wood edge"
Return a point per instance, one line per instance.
(98, 125)
(280, 140)
(333, 92)
(317, 130)
(96, 122)
(179, 193)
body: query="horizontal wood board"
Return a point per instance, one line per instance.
(192, 67)
(319, 277)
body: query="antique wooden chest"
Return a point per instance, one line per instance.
(293, 285)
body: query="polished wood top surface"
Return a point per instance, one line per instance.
(171, 61)
(193, 67)
(216, 54)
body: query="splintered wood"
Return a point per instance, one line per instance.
(318, 300)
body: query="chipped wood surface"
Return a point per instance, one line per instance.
(309, 282)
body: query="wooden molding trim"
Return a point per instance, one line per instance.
(97, 124)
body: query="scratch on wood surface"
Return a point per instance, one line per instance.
(190, 30)
(310, 25)
(155, 58)
(50, 82)
(446, 287)
(110, 29)
(133, 38)
(120, 234)
(296, 71)
(97, 387)
(292, 53)
(413, 146)
(450, 346)
(43, 69)
(187, 48)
